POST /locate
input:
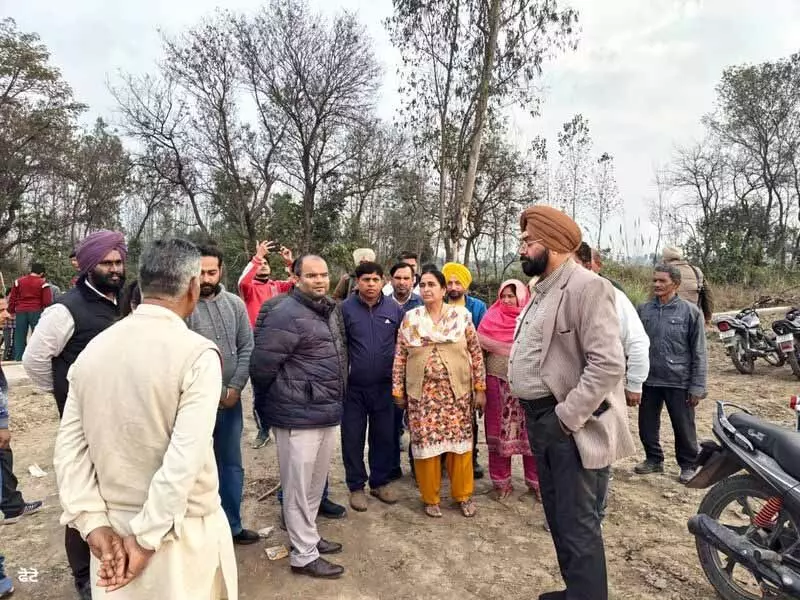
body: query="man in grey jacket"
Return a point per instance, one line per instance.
(678, 369)
(222, 318)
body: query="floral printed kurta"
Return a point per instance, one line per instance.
(438, 421)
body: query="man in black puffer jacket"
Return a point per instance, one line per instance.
(298, 369)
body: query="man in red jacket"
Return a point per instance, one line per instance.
(30, 295)
(255, 285)
(255, 288)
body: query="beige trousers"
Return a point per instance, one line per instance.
(304, 457)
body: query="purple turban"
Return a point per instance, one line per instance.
(96, 246)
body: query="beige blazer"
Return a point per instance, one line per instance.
(583, 364)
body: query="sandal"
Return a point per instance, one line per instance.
(500, 494)
(468, 508)
(433, 510)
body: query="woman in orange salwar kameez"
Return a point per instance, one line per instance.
(439, 377)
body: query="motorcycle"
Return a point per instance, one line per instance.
(788, 338)
(745, 340)
(746, 527)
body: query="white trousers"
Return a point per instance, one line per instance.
(304, 457)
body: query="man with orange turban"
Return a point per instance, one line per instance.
(566, 367)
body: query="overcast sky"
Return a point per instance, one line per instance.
(643, 75)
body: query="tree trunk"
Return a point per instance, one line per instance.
(480, 120)
(308, 218)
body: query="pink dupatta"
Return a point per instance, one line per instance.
(496, 331)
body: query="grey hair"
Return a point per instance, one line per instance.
(166, 268)
(298, 264)
(673, 272)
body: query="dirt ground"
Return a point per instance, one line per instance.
(397, 552)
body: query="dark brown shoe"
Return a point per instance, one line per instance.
(326, 547)
(320, 569)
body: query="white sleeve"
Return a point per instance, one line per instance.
(83, 505)
(635, 342)
(51, 334)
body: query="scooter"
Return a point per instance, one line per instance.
(746, 528)
(745, 340)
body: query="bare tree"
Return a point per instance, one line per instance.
(322, 76)
(605, 202)
(157, 116)
(660, 209)
(574, 148)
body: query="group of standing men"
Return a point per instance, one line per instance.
(169, 495)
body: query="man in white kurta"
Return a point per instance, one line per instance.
(134, 450)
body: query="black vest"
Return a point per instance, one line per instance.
(92, 314)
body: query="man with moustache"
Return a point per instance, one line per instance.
(222, 318)
(63, 332)
(299, 373)
(566, 367)
(402, 285)
(412, 259)
(256, 286)
(133, 457)
(371, 321)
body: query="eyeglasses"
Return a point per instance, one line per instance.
(529, 243)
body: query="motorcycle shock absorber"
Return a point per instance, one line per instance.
(766, 516)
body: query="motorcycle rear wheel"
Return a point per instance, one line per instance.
(791, 358)
(730, 580)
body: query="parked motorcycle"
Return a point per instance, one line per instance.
(745, 340)
(788, 338)
(746, 528)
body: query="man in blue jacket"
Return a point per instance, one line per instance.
(678, 368)
(298, 369)
(458, 281)
(371, 321)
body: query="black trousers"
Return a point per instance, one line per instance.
(12, 503)
(570, 495)
(682, 417)
(369, 409)
(77, 555)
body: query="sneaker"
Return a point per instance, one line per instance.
(331, 510)
(29, 509)
(385, 493)
(687, 475)
(646, 468)
(358, 500)
(262, 439)
(6, 587)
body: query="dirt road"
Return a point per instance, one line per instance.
(397, 552)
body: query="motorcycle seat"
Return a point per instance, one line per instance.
(780, 443)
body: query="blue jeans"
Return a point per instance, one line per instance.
(263, 430)
(228, 452)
